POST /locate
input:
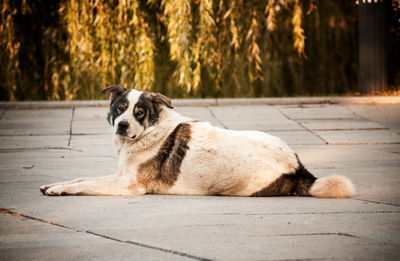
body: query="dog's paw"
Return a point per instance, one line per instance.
(44, 188)
(56, 191)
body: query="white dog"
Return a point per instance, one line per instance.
(162, 152)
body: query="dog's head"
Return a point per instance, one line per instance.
(132, 111)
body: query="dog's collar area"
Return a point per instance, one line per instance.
(123, 135)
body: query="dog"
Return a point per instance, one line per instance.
(162, 152)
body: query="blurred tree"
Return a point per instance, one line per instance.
(71, 49)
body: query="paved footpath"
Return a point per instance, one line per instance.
(361, 141)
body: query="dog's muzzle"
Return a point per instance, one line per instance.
(122, 128)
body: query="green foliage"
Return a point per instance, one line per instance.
(71, 49)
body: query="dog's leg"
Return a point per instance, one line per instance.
(69, 182)
(107, 186)
(45, 187)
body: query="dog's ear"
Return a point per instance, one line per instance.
(114, 91)
(160, 99)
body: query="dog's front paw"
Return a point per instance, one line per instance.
(44, 188)
(55, 191)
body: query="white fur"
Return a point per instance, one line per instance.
(218, 161)
(221, 159)
(332, 187)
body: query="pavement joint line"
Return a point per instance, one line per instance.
(362, 117)
(4, 150)
(32, 134)
(215, 117)
(316, 234)
(346, 129)
(315, 134)
(315, 213)
(174, 252)
(376, 202)
(55, 134)
(326, 119)
(301, 259)
(361, 143)
(334, 234)
(301, 125)
(70, 126)
(96, 154)
(169, 251)
(350, 129)
(2, 114)
(42, 148)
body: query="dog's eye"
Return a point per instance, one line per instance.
(121, 108)
(139, 113)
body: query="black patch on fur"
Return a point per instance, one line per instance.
(118, 106)
(165, 166)
(297, 184)
(150, 108)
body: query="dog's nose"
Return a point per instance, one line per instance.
(122, 126)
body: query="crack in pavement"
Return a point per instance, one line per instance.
(314, 234)
(70, 125)
(2, 114)
(215, 117)
(376, 202)
(315, 213)
(130, 242)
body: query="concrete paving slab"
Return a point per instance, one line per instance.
(92, 127)
(253, 118)
(371, 182)
(322, 111)
(341, 124)
(100, 144)
(238, 242)
(260, 125)
(2, 112)
(246, 113)
(90, 121)
(298, 137)
(386, 114)
(37, 122)
(92, 140)
(91, 113)
(41, 115)
(34, 128)
(365, 227)
(66, 164)
(218, 244)
(360, 136)
(197, 224)
(340, 154)
(25, 239)
(48, 141)
(199, 113)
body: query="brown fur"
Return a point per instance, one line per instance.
(161, 171)
(296, 184)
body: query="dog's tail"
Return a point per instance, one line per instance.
(332, 187)
(303, 183)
